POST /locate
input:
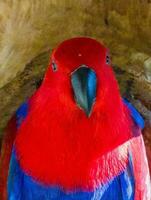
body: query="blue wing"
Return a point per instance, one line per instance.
(138, 119)
(21, 113)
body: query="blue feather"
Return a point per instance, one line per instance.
(23, 187)
(138, 119)
(21, 113)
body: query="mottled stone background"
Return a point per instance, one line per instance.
(29, 30)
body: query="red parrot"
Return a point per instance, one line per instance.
(76, 138)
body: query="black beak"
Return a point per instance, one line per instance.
(84, 83)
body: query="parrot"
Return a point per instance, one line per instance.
(75, 138)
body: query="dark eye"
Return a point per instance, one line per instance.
(54, 66)
(107, 59)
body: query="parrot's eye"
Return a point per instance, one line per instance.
(107, 59)
(54, 66)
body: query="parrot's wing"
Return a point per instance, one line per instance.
(137, 118)
(141, 169)
(7, 144)
(139, 158)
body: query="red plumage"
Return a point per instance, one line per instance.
(57, 143)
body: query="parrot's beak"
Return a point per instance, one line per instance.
(84, 84)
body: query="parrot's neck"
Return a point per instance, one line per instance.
(60, 145)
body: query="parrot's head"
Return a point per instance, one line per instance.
(80, 73)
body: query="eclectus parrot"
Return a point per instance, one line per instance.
(76, 138)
